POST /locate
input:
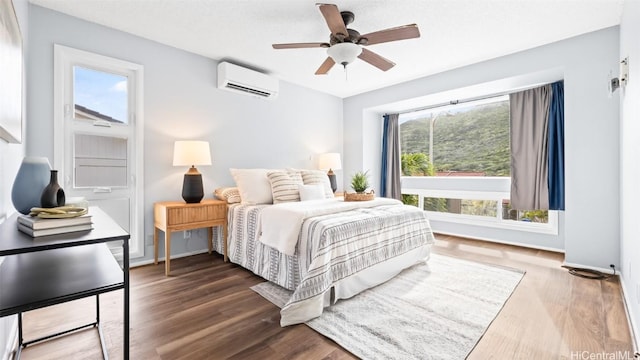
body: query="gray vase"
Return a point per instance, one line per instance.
(33, 176)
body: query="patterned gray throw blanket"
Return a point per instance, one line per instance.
(330, 248)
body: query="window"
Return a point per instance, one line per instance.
(535, 216)
(99, 161)
(469, 139)
(480, 207)
(100, 95)
(98, 142)
(462, 206)
(485, 208)
(463, 150)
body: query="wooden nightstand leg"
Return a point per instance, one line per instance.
(167, 253)
(155, 245)
(210, 232)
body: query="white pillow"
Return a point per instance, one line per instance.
(311, 177)
(284, 186)
(311, 192)
(253, 185)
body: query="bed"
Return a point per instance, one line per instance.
(325, 249)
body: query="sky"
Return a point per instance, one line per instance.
(100, 91)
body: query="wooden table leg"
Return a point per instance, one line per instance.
(210, 233)
(167, 253)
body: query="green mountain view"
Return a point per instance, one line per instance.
(475, 140)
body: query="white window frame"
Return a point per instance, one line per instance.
(450, 191)
(64, 60)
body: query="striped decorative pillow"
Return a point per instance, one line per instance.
(310, 177)
(229, 194)
(284, 186)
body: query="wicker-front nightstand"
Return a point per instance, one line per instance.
(170, 216)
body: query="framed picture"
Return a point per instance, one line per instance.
(10, 74)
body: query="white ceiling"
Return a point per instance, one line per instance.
(454, 33)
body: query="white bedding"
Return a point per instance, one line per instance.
(280, 224)
(338, 255)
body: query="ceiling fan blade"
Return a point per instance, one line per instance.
(397, 33)
(334, 20)
(376, 60)
(325, 67)
(301, 45)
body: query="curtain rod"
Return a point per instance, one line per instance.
(451, 102)
(483, 97)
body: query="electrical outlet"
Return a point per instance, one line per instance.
(187, 234)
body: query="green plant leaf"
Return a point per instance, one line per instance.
(360, 181)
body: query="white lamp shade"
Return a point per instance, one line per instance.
(191, 153)
(344, 53)
(329, 161)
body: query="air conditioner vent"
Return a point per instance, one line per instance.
(248, 89)
(246, 81)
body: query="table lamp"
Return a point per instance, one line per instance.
(192, 153)
(332, 162)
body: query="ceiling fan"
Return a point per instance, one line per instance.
(346, 44)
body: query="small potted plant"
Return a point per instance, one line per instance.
(360, 184)
(360, 181)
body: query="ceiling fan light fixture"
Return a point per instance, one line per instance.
(344, 53)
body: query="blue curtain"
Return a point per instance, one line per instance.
(385, 151)
(391, 166)
(556, 147)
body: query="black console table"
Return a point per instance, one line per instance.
(49, 270)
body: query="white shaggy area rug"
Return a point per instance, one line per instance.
(438, 310)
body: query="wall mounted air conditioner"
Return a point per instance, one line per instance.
(246, 81)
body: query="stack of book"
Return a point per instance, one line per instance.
(35, 226)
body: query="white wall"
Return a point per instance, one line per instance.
(10, 158)
(629, 164)
(181, 101)
(590, 228)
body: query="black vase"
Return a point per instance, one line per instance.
(52, 195)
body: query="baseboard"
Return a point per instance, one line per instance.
(502, 242)
(635, 332)
(136, 263)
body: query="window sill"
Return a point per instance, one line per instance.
(550, 228)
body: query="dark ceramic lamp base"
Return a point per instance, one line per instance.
(192, 189)
(332, 180)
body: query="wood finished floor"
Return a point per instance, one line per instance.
(206, 310)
